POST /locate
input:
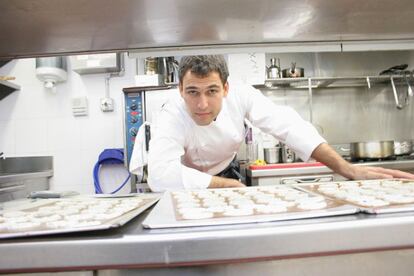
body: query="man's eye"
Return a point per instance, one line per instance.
(191, 92)
(212, 91)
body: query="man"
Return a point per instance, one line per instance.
(197, 136)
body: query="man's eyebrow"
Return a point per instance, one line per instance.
(213, 86)
(191, 87)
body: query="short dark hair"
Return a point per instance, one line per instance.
(204, 65)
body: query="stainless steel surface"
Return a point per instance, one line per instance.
(97, 25)
(403, 147)
(372, 149)
(21, 175)
(396, 96)
(385, 263)
(293, 71)
(272, 155)
(351, 96)
(274, 176)
(147, 201)
(306, 179)
(329, 82)
(273, 71)
(22, 168)
(288, 155)
(131, 246)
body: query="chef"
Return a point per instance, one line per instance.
(196, 136)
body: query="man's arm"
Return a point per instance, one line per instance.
(328, 156)
(221, 182)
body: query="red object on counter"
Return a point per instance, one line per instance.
(286, 166)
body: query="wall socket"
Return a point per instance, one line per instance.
(107, 104)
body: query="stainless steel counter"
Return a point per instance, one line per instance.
(276, 176)
(132, 246)
(405, 165)
(21, 175)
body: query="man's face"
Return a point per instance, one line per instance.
(203, 96)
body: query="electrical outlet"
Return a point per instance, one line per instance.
(107, 104)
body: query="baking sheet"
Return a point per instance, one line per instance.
(402, 189)
(124, 209)
(165, 215)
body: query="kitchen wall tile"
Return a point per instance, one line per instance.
(67, 167)
(63, 134)
(7, 138)
(30, 136)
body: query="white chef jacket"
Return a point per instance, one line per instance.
(184, 155)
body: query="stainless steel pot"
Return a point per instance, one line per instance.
(373, 149)
(288, 155)
(272, 155)
(403, 147)
(293, 72)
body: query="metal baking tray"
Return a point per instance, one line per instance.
(391, 208)
(164, 215)
(30, 206)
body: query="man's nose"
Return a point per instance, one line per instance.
(202, 102)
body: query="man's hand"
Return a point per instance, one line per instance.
(378, 173)
(221, 182)
(325, 154)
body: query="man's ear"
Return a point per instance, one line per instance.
(226, 88)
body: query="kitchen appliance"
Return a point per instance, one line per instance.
(273, 71)
(403, 147)
(97, 63)
(134, 117)
(272, 155)
(141, 106)
(293, 71)
(167, 67)
(372, 150)
(288, 155)
(51, 70)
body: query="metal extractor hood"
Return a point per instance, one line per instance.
(43, 27)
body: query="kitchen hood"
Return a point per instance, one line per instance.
(42, 27)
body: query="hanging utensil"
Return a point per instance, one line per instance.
(410, 90)
(394, 69)
(394, 90)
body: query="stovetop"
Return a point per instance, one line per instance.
(392, 158)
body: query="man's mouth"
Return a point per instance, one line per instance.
(203, 114)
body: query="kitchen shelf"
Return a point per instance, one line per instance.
(6, 88)
(332, 82)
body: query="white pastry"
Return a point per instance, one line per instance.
(51, 218)
(189, 204)
(24, 226)
(238, 212)
(216, 209)
(13, 214)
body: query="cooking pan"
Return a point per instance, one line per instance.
(371, 150)
(293, 72)
(403, 147)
